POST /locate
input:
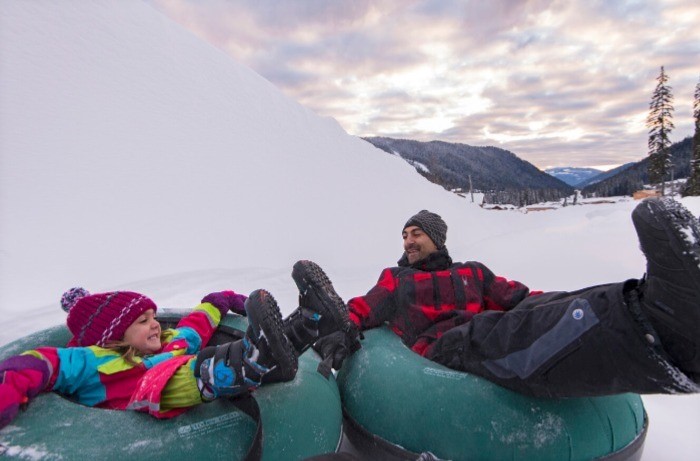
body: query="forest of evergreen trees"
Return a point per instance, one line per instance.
(636, 176)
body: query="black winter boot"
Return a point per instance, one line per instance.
(264, 355)
(222, 372)
(266, 332)
(321, 311)
(669, 236)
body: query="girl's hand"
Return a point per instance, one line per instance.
(21, 378)
(226, 301)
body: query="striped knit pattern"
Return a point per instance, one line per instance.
(100, 318)
(115, 324)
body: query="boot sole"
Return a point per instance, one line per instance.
(309, 276)
(268, 318)
(665, 220)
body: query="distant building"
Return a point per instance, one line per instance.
(645, 193)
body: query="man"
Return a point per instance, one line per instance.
(639, 336)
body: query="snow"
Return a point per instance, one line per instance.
(420, 166)
(134, 156)
(28, 453)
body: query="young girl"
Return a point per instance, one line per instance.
(119, 358)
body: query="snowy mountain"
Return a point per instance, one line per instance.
(573, 176)
(454, 165)
(605, 175)
(133, 155)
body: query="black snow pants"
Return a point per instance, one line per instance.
(591, 342)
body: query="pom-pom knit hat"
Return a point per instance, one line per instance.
(97, 319)
(432, 224)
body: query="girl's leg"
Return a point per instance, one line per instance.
(264, 355)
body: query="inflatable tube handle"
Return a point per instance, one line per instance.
(250, 407)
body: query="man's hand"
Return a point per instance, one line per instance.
(335, 348)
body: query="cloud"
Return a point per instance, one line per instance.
(557, 83)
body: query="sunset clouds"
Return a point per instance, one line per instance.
(559, 83)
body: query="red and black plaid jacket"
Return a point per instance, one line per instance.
(424, 300)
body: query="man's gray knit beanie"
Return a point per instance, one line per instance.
(432, 224)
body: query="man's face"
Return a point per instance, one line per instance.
(417, 244)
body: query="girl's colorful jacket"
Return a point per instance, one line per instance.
(100, 377)
(423, 300)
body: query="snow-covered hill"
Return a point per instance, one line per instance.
(131, 149)
(133, 155)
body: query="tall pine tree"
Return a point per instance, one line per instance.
(693, 185)
(660, 125)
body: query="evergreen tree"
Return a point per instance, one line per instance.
(660, 126)
(693, 185)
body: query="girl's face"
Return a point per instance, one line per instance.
(144, 334)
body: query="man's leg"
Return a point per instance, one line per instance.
(322, 319)
(600, 340)
(670, 295)
(584, 343)
(321, 311)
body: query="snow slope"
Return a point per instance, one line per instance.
(133, 155)
(132, 149)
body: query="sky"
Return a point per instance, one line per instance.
(559, 83)
(134, 156)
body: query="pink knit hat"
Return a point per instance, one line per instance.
(97, 319)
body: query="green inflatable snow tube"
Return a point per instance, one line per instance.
(400, 403)
(301, 418)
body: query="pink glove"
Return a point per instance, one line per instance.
(10, 401)
(226, 301)
(21, 378)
